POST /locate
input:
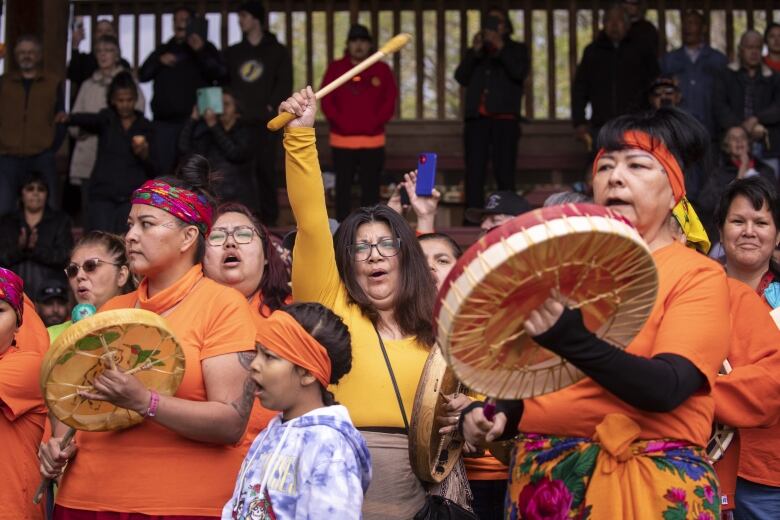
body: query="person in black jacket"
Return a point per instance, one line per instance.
(179, 68)
(736, 162)
(126, 155)
(35, 240)
(613, 76)
(227, 143)
(642, 32)
(493, 71)
(260, 76)
(748, 94)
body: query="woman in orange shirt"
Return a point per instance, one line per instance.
(181, 461)
(22, 413)
(748, 217)
(627, 441)
(239, 254)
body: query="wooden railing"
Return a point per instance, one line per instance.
(557, 31)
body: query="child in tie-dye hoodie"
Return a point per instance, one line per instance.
(310, 461)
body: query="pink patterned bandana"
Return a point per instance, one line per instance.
(183, 204)
(12, 291)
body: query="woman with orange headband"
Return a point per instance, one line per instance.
(310, 462)
(628, 440)
(181, 460)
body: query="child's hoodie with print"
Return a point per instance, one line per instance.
(319, 467)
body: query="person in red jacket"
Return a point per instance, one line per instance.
(357, 113)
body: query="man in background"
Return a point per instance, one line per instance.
(179, 67)
(30, 98)
(696, 66)
(493, 71)
(259, 71)
(52, 302)
(357, 113)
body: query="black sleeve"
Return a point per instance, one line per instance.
(236, 147)
(151, 66)
(515, 60)
(466, 67)
(512, 409)
(210, 62)
(657, 384)
(59, 129)
(89, 122)
(78, 68)
(185, 137)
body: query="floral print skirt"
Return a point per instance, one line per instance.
(611, 476)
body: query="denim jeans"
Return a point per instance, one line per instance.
(756, 501)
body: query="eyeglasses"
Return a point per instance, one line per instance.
(386, 248)
(89, 266)
(35, 187)
(241, 234)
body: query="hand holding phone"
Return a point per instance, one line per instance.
(426, 174)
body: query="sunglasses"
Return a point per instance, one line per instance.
(89, 266)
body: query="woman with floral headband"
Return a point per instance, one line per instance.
(181, 461)
(22, 413)
(627, 441)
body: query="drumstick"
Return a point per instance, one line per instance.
(394, 45)
(65, 441)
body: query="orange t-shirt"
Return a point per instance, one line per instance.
(690, 318)
(22, 416)
(486, 467)
(32, 335)
(748, 397)
(148, 468)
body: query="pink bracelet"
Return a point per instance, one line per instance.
(154, 401)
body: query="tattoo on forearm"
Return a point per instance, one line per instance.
(243, 404)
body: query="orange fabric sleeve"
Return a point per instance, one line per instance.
(700, 299)
(32, 335)
(230, 326)
(748, 396)
(20, 391)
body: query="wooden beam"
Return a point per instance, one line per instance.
(551, 90)
(136, 37)
(528, 37)
(329, 50)
(441, 82)
(730, 30)
(464, 45)
(662, 26)
(397, 55)
(223, 24)
(419, 52)
(573, 54)
(309, 47)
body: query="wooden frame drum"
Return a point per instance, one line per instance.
(433, 455)
(132, 340)
(590, 254)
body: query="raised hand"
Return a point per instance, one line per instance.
(303, 105)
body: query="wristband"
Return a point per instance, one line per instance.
(154, 401)
(471, 406)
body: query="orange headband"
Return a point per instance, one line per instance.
(285, 337)
(655, 147)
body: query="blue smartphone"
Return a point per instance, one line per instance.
(426, 174)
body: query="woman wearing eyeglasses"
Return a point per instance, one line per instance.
(35, 240)
(379, 283)
(239, 254)
(182, 460)
(98, 271)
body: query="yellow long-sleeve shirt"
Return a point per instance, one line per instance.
(367, 391)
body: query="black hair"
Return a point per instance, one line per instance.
(680, 132)
(122, 81)
(455, 249)
(769, 27)
(114, 245)
(238, 104)
(329, 330)
(194, 173)
(758, 191)
(33, 177)
(416, 291)
(696, 13)
(182, 7)
(510, 29)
